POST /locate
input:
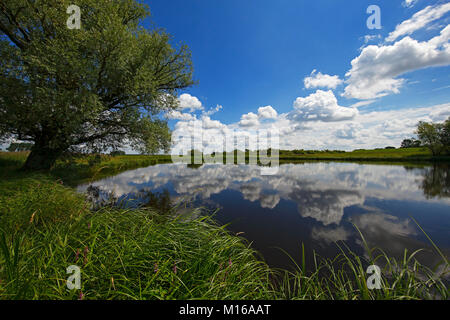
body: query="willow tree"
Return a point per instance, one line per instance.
(96, 87)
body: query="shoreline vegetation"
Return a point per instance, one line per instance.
(77, 169)
(46, 226)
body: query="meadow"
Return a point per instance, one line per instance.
(389, 154)
(46, 226)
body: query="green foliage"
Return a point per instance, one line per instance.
(410, 143)
(96, 87)
(117, 153)
(435, 136)
(18, 147)
(445, 134)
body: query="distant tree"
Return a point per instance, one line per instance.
(117, 153)
(410, 143)
(97, 87)
(445, 134)
(17, 147)
(434, 136)
(389, 147)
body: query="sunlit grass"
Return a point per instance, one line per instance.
(131, 255)
(401, 154)
(74, 170)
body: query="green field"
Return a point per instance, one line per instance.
(402, 154)
(378, 155)
(76, 170)
(45, 226)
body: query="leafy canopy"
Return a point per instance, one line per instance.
(97, 87)
(435, 136)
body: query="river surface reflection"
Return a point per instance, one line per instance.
(312, 203)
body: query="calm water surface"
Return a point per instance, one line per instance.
(312, 203)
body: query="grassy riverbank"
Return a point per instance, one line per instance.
(45, 226)
(402, 154)
(76, 170)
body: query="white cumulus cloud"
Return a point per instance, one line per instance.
(317, 79)
(177, 115)
(267, 112)
(374, 72)
(349, 131)
(321, 105)
(186, 101)
(208, 123)
(249, 120)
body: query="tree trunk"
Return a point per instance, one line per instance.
(41, 158)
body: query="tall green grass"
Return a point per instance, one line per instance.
(345, 278)
(129, 255)
(46, 226)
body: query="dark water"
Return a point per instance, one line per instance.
(312, 203)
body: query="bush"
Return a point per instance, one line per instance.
(117, 153)
(410, 143)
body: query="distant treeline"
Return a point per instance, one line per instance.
(282, 153)
(411, 143)
(117, 153)
(17, 147)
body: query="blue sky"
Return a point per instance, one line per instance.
(257, 53)
(311, 70)
(252, 53)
